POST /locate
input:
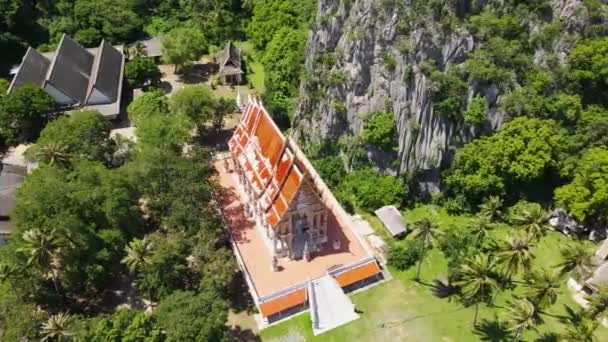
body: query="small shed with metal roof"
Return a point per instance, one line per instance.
(392, 220)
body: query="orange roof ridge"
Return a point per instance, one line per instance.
(263, 152)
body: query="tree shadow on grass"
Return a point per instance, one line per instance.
(548, 337)
(443, 289)
(492, 331)
(237, 334)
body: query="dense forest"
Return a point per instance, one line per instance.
(41, 23)
(503, 103)
(102, 217)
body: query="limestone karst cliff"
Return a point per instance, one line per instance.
(372, 55)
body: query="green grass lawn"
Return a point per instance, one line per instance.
(404, 310)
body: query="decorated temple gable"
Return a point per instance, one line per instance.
(304, 223)
(279, 195)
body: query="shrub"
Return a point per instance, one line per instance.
(428, 67)
(389, 61)
(477, 112)
(405, 45)
(366, 189)
(517, 210)
(449, 106)
(408, 73)
(337, 78)
(380, 130)
(456, 205)
(405, 255)
(448, 93)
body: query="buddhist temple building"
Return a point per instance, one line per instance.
(292, 239)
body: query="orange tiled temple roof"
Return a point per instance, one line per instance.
(269, 165)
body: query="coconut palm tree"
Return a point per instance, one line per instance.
(136, 50)
(523, 315)
(543, 287)
(138, 253)
(516, 254)
(42, 249)
(7, 272)
(480, 228)
(579, 327)
(576, 258)
(598, 302)
(477, 279)
(53, 153)
(583, 332)
(425, 231)
(490, 208)
(534, 222)
(57, 327)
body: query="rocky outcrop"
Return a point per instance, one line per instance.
(368, 55)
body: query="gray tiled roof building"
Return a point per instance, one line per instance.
(75, 76)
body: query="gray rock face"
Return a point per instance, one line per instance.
(381, 52)
(562, 222)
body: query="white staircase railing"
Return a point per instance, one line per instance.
(312, 300)
(330, 307)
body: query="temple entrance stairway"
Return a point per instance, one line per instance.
(330, 307)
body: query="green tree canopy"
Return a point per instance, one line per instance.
(82, 134)
(269, 17)
(543, 287)
(164, 131)
(177, 187)
(518, 157)
(148, 104)
(23, 113)
(125, 326)
(477, 277)
(186, 316)
(589, 69)
(165, 269)
(182, 45)
(92, 208)
(365, 189)
(283, 62)
(142, 73)
(586, 197)
(19, 320)
(331, 169)
(91, 21)
(196, 102)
